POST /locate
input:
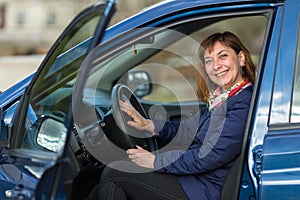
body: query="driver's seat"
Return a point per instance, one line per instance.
(231, 185)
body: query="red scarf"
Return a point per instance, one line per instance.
(219, 95)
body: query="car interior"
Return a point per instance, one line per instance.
(154, 52)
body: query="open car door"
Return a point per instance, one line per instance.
(33, 163)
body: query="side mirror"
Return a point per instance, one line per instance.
(139, 82)
(51, 134)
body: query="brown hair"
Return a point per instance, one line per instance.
(232, 41)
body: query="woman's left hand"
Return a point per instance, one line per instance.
(141, 157)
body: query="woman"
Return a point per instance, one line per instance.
(214, 134)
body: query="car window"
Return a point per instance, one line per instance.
(160, 65)
(295, 116)
(174, 70)
(52, 90)
(169, 56)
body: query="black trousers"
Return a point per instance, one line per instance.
(125, 180)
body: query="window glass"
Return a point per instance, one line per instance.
(174, 70)
(169, 57)
(86, 30)
(51, 92)
(295, 115)
(21, 18)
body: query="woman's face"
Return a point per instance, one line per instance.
(223, 65)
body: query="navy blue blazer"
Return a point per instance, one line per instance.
(210, 142)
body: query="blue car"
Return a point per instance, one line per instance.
(62, 125)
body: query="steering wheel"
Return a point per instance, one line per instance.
(130, 135)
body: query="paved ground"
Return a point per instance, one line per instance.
(16, 68)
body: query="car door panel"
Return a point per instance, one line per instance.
(30, 166)
(280, 169)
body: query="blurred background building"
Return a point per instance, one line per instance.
(31, 26)
(28, 28)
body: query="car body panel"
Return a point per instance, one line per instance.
(285, 67)
(280, 148)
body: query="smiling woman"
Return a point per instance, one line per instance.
(207, 143)
(227, 64)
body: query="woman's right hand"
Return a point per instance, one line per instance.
(138, 121)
